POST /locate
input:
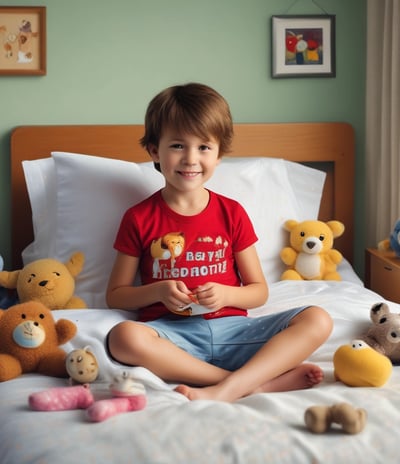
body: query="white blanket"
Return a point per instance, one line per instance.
(262, 428)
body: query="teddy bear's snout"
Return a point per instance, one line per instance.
(312, 246)
(47, 284)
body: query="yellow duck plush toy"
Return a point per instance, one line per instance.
(359, 365)
(310, 255)
(48, 281)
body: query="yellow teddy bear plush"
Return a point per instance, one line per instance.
(310, 255)
(48, 281)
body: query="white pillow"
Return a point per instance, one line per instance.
(40, 178)
(91, 194)
(263, 187)
(307, 184)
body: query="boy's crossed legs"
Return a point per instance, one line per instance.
(276, 366)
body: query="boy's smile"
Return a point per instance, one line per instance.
(186, 160)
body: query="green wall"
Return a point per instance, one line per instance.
(106, 59)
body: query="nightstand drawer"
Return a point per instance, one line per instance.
(384, 277)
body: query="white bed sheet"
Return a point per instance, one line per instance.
(262, 428)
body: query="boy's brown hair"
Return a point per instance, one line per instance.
(190, 108)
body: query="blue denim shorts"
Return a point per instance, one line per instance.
(226, 342)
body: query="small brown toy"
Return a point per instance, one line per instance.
(30, 341)
(47, 280)
(319, 419)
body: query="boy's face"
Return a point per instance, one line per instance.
(186, 161)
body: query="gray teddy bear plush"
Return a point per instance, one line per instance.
(384, 335)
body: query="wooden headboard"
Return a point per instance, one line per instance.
(327, 146)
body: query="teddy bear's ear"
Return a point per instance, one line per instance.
(378, 311)
(336, 227)
(290, 224)
(75, 263)
(9, 279)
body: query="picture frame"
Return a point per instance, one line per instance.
(303, 46)
(23, 36)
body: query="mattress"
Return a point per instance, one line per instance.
(260, 428)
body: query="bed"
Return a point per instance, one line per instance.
(278, 171)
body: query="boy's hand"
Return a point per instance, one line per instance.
(211, 295)
(175, 296)
(178, 298)
(205, 299)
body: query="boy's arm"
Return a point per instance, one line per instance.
(255, 290)
(120, 292)
(252, 294)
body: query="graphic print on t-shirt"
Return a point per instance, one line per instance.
(204, 257)
(168, 247)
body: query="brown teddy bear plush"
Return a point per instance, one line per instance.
(384, 335)
(30, 339)
(310, 255)
(48, 281)
(319, 419)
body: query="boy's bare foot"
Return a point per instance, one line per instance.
(299, 378)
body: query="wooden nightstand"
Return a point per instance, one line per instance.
(382, 273)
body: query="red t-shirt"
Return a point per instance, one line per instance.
(194, 249)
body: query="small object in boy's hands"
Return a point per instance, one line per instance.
(193, 308)
(194, 300)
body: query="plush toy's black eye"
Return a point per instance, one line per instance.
(31, 277)
(381, 321)
(23, 316)
(57, 274)
(41, 316)
(302, 234)
(322, 238)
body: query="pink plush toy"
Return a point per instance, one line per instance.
(129, 395)
(62, 398)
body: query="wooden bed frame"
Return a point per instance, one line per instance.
(326, 146)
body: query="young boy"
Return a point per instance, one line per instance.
(192, 245)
